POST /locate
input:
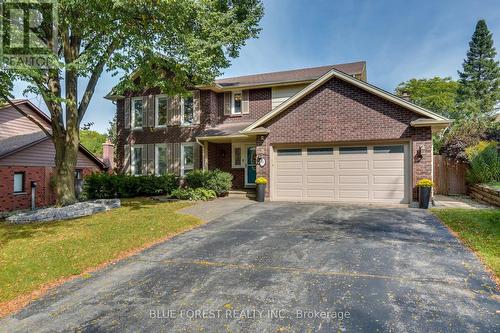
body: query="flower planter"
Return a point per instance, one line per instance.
(424, 197)
(261, 192)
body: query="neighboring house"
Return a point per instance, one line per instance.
(27, 154)
(321, 134)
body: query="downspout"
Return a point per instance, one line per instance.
(202, 153)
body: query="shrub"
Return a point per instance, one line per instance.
(218, 181)
(105, 186)
(484, 163)
(194, 194)
(425, 183)
(261, 180)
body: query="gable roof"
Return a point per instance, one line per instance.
(358, 83)
(296, 75)
(14, 144)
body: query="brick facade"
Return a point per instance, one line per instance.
(10, 201)
(337, 112)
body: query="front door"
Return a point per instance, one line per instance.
(250, 170)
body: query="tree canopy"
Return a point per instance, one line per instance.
(174, 44)
(479, 89)
(436, 94)
(92, 140)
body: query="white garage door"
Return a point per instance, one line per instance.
(352, 174)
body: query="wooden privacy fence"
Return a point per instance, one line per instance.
(449, 176)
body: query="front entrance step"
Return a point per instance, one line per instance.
(242, 194)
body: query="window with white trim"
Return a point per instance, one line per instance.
(136, 160)
(237, 156)
(161, 110)
(137, 120)
(161, 159)
(187, 111)
(187, 157)
(236, 102)
(19, 182)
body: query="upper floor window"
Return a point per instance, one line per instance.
(161, 110)
(137, 120)
(187, 157)
(137, 166)
(236, 103)
(187, 111)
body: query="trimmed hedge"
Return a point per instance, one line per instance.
(218, 181)
(105, 186)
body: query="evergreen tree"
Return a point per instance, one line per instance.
(479, 90)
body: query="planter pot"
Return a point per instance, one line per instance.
(424, 197)
(261, 192)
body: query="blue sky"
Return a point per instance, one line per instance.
(398, 39)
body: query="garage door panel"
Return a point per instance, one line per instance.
(320, 179)
(388, 180)
(388, 164)
(350, 165)
(354, 179)
(361, 173)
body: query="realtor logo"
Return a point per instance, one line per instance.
(28, 32)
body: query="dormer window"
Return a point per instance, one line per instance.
(236, 103)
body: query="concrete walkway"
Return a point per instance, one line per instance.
(458, 201)
(211, 210)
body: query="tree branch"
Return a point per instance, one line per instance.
(89, 91)
(18, 109)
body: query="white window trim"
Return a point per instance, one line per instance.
(23, 180)
(184, 145)
(157, 106)
(157, 157)
(232, 103)
(132, 110)
(233, 155)
(182, 113)
(132, 159)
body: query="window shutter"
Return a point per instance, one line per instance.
(145, 107)
(176, 158)
(176, 110)
(151, 111)
(169, 152)
(227, 103)
(196, 107)
(126, 112)
(126, 159)
(245, 103)
(144, 159)
(151, 159)
(196, 156)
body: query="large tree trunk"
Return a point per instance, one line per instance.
(65, 160)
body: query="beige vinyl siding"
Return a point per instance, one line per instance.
(42, 154)
(281, 94)
(13, 123)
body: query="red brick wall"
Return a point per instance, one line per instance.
(219, 157)
(44, 194)
(339, 112)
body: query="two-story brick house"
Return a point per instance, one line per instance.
(317, 134)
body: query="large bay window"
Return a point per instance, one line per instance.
(187, 157)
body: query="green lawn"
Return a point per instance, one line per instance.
(479, 229)
(495, 185)
(32, 256)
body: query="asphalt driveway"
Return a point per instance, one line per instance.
(280, 267)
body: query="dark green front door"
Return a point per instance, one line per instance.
(251, 171)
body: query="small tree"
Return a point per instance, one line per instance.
(174, 45)
(479, 90)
